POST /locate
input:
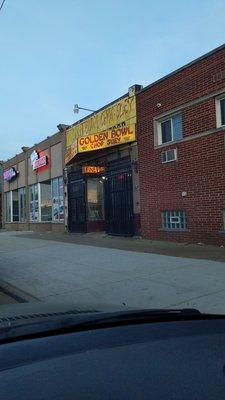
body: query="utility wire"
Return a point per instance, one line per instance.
(2, 4)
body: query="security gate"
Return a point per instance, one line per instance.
(119, 199)
(76, 205)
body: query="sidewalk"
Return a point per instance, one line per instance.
(83, 269)
(187, 250)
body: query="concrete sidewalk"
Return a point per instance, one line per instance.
(187, 250)
(59, 272)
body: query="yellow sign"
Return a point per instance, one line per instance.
(92, 169)
(121, 113)
(71, 151)
(109, 138)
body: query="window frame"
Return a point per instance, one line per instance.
(159, 122)
(218, 111)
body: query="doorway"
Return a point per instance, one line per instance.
(77, 205)
(119, 199)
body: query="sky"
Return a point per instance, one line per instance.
(54, 54)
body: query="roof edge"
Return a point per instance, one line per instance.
(184, 66)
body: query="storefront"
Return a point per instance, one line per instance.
(102, 171)
(34, 187)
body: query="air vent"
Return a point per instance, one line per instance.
(169, 156)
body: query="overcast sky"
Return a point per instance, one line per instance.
(55, 53)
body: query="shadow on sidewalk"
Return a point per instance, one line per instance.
(198, 251)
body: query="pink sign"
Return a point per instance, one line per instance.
(40, 162)
(9, 174)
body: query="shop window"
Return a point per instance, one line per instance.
(8, 207)
(34, 203)
(12, 206)
(22, 204)
(169, 129)
(46, 201)
(57, 200)
(95, 199)
(173, 220)
(15, 205)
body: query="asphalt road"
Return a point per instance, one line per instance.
(57, 272)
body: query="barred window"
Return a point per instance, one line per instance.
(174, 220)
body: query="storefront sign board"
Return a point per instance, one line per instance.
(120, 114)
(111, 137)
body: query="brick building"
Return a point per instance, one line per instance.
(181, 145)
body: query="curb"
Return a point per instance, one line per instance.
(17, 294)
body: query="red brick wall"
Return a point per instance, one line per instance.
(200, 168)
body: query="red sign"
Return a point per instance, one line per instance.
(40, 162)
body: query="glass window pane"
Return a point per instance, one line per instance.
(166, 131)
(222, 107)
(177, 127)
(34, 203)
(46, 201)
(174, 220)
(61, 196)
(57, 199)
(55, 189)
(8, 206)
(15, 205)
(95, 199)
(22, 204)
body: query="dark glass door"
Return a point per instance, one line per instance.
(77, 205)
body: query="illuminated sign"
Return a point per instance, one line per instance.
(109, 138)
(36, 161)
(9, 174)
(120, 114)
(92, 169)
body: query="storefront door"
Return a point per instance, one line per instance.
(119, 201)
(77, 205)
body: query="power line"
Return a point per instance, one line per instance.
(2, 4)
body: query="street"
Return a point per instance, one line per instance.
(53, 271)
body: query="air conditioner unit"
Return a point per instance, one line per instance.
(169, 156)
